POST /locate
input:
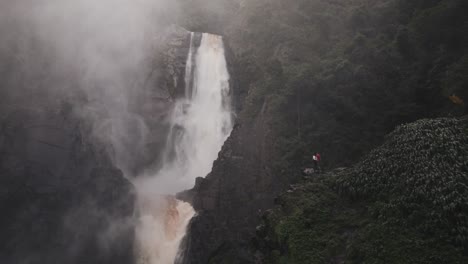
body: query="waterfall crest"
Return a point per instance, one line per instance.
(200, 124)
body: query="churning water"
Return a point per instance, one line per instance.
(200, 124)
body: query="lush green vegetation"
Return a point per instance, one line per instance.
(404, 203)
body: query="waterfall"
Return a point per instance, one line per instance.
(200, 124)
(188, 69)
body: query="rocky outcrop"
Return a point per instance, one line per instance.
(229, 201)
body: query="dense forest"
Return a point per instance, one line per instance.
(336, 77)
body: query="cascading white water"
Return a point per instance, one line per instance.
(200, 124)
(188, 69)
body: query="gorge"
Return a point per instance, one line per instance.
(128, 136)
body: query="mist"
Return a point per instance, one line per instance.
(89, 60)
(114, 111)
(92, 54)
(96, 72)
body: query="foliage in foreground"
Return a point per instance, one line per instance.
(404, 203)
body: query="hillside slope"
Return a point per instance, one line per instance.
(405, 202)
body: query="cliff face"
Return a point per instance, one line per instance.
(161, 82)
(63, 197)
(230, 199)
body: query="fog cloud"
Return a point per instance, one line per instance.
(100, 50)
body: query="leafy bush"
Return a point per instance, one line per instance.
(418, 178)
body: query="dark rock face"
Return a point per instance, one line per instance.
(61, 198)
(231, 198)
(163, 82)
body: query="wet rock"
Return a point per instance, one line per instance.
(228, 200)
(162, 84)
